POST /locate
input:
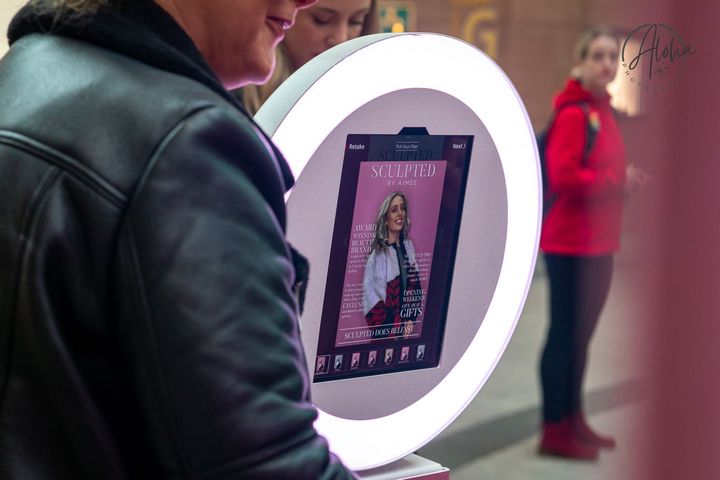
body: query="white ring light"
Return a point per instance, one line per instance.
(358, 72)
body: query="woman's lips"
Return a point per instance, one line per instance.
(279, 25)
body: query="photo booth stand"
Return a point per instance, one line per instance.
(372, 87)
(410, 467)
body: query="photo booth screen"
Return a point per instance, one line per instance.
(392, 255)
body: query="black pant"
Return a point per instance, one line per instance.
(578, 290)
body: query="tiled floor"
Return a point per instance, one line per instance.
(496, 436)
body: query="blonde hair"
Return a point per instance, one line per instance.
(253, 96)
(372, 20)
(582, 46)
(379, 242)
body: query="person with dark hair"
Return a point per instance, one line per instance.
(390, 270)
(588, 177)
(148, 297)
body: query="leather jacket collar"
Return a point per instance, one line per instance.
(141, 30)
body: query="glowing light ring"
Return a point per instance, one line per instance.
(371, 67)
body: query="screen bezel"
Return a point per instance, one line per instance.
(366, 149)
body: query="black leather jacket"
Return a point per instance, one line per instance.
(147, 324)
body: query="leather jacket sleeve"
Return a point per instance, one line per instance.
(207, 319)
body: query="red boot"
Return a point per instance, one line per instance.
(587, 435)
(560, 438)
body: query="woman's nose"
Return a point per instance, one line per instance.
(338, 35)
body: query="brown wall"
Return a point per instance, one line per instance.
(535, 41)
(535, 37)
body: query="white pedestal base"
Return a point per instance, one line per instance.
(411, 467)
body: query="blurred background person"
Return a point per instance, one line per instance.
(587, 179)
(319, 28)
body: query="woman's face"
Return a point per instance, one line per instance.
(236, 37)
(599, 66)
(395, 217)
(322, 26)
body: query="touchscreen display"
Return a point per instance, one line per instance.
(392, 254)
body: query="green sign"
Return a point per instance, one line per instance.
(396, 17)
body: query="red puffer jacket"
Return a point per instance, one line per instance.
(587, 214)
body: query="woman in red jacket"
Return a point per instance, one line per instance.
(587, 177)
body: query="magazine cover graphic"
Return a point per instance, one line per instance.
(399, 206)
(388, 356)
(372, 358)
(321, 364)
(338, 362)
(390, 254)
(355, 362)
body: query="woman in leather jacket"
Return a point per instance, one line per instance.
(148, 317)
